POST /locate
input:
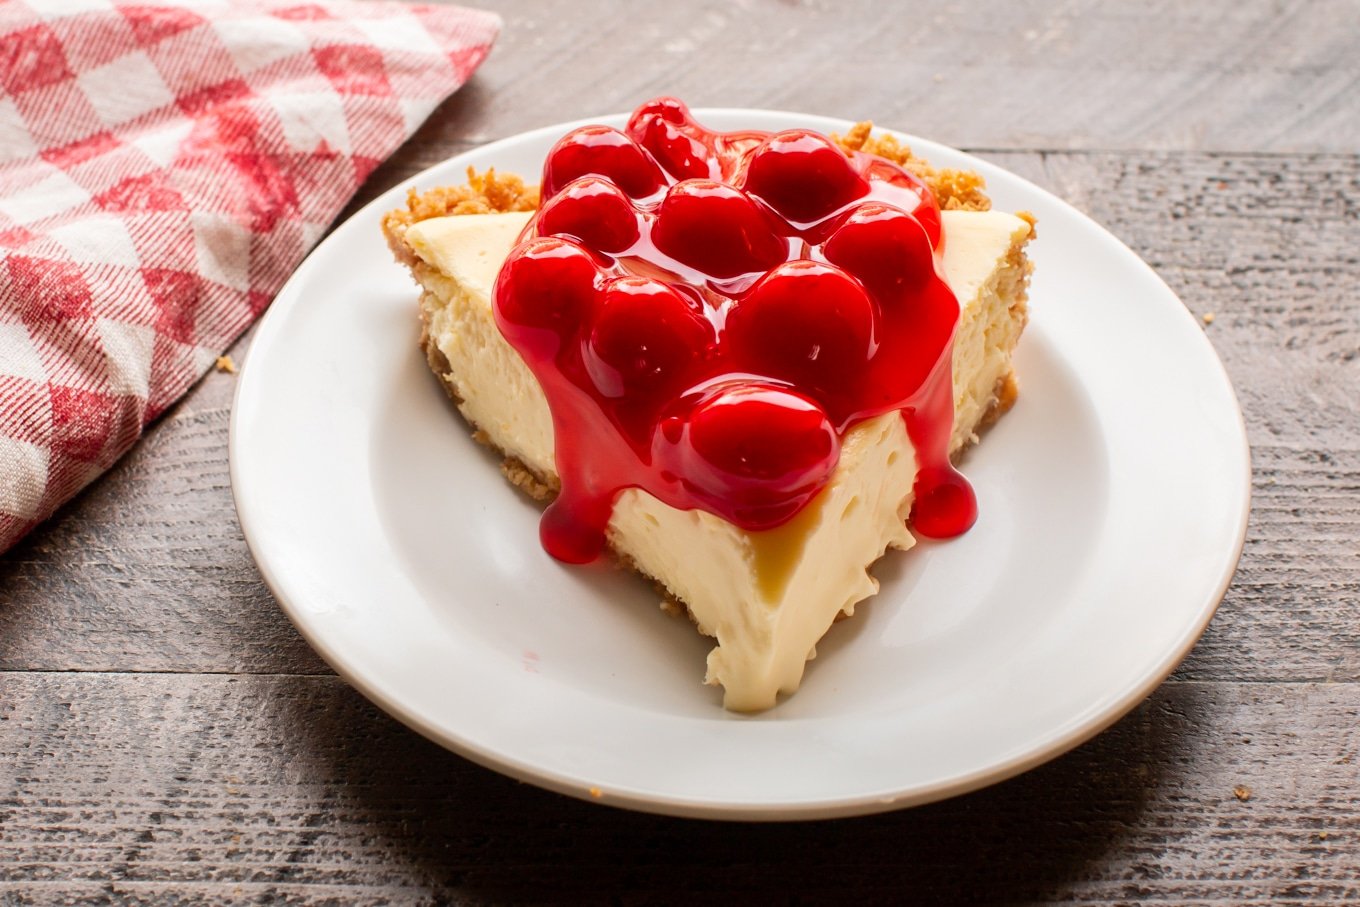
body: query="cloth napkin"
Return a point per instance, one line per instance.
(164, 167)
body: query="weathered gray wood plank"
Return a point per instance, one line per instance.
(155, 785)
(1259, 75)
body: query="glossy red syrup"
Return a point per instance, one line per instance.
(708, 313)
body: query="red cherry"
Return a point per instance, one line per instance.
(668, 109)
(601, 151)
(594, 211)
(912, 194)
(885, 248)
(545, 289)
(763, 450)
(645, 338)
(808, 323)
(717, 230)
(665, 128)
(803, 176)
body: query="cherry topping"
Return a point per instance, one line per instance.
(602, 151)
(595, 212)
(884, 247)
(667, 110)
(665, 128)
(945, 504)
(808, 323)
(646, 337)
(544, 290)
(761, 449)
(925, 209)
(707, 312)
(716, 229)
(803, 176)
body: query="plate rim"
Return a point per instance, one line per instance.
(1080, 729)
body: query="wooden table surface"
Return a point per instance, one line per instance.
(165, 734)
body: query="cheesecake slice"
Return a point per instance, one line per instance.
(766, 592)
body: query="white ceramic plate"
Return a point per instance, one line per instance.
(1113, 506)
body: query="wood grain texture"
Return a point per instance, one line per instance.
(1260, 75)
(166, 736)
(311, 782)
(125, 783)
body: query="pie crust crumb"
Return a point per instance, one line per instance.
(955, 190)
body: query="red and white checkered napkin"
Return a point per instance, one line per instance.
(163, 167)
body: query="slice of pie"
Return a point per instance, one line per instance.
(742, 362)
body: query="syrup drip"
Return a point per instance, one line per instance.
(708, 313)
